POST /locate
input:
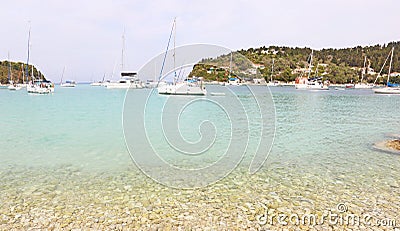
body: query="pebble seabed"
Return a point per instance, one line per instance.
(67, 198)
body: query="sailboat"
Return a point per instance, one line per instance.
(361, 84)
(99, 83)
(232, 80)
(189, 86)
(271, 82)
(13, 86)
(390, 87)
(23, 84)
(39, 86)
(68, 83)
(127, 79)
(308, 83)
(36, 86)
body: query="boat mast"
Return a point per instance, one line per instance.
(309, 66)
(23, 73)
(62, 76)
(230, 67)
(174, 28)
(379, 74)
(27, 61)
(272, 69)
(166, 52)
(390, 66)
(123, 47)
(9, 68)
(363, 72)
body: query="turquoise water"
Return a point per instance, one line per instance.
(78, 126)
(64, 163)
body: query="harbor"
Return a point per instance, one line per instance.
(65, 166)
(201, 115)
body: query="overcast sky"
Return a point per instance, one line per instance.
(86, 36)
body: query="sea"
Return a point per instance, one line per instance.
(69, 160)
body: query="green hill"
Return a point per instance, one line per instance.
(337, 65)
(16, 71)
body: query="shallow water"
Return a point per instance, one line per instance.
(64, 164)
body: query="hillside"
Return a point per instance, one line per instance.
(337, 65)
(16, 71)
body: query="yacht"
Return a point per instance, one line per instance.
(68, 83)
(308, 83)
(234, 81)
(188, 87)
(127, 80)
(14, 87)
(361, 84)
(271, 82)
(311, 83)
(96, 84)
(387, 90)
(40, 87)
(391, 88)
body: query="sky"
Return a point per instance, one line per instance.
(85, 36)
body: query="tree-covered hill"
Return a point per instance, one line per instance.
(17, 71)
(337, 65)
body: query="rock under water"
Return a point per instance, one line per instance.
(394, 144)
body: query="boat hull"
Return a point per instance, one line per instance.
(38, 90)
(68, 85)
(124, 86)
(363, 86)
(182, 89)
(311, 87)
(387, 90)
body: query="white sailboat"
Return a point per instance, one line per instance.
(13, 86)
(271, 82)
(128, 80)
(390, 87)
(23, 84)
(235, 81)
(189, 86)
(99, 83)
(39, 86)
(67, 83)
(36, 86)
(308, 83)
(361, 84)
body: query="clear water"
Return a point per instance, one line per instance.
(71, 144)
